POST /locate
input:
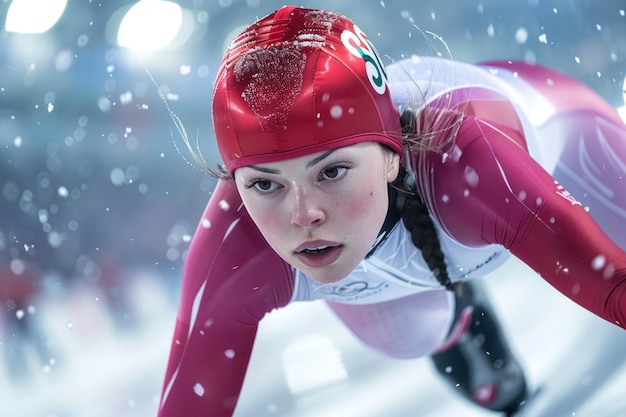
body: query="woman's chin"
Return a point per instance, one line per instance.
(326, 280)
(326, 275)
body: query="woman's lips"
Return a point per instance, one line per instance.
(319, 255)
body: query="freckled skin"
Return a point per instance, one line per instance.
(305, 204)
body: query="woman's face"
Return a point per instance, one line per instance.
(321, 212)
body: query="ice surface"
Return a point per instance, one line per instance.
(104, 370)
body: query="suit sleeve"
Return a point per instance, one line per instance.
(231, 279)
(487, 189)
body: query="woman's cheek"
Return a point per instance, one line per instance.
(269, 221)
(362, 205)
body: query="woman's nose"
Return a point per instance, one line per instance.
(306, 209)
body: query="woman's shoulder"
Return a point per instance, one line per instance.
(228, 255)
(417, 81)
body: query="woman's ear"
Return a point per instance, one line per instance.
(393, 166)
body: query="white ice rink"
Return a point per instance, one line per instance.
(578, 360)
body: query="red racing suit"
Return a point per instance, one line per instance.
(537, 169)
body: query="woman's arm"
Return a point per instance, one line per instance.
(231, 279)
(487, 189)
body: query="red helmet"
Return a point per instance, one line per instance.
(300, 81)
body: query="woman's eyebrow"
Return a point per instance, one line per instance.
(266, 170)
(320, 158)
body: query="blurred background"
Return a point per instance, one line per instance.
(99, 198)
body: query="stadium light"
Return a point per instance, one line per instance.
(150, 25)
(33, 16)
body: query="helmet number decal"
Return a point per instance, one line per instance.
(357, 43)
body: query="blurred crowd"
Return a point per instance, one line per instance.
(84, 214)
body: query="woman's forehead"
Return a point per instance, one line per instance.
(312, 159)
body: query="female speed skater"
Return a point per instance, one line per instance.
(388, 193)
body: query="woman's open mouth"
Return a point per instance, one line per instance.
(319, 256)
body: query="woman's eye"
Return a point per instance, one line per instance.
(334, 172)
(262, 186)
